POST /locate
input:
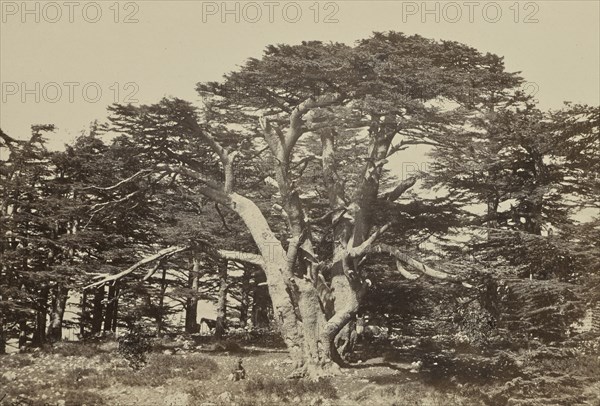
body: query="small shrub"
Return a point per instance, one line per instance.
(105, 358)
(134, 346)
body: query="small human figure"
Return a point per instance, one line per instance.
(238, 371)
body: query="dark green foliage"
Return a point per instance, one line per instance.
(541, 310)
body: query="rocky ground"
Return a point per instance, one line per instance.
(184, 374)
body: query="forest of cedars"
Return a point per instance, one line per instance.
(494, 245)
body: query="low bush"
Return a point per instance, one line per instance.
(134, 345)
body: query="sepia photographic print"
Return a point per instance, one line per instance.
(320, 203)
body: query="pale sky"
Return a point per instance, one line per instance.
(175, 44)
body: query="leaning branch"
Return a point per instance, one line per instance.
(159, 255)
(239, 256)
(400, 189)
(361, 249)
(408, 275)
(116, 185)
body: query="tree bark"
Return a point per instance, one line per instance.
(39, 334)
(222, 302)
(2, 335)
(59, 302)
(245, 298)
(97, 310)
(112, 308)
(279, 276)
(161, 303)
(191, 309)
(84, 316)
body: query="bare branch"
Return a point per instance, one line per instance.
(153, 270)
(357, 251)
(159, 255)
(99, 206)
(129, 179)
(292, 251)
(296, 122)
(242, 257)
(415, 265)
(405, 273)
(402, 187)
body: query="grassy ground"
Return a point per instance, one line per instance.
(180, 374)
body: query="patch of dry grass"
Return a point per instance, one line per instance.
(289, 389)
(162, 367)
(192, 378)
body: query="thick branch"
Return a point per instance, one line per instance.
(404, 272)
(152, 271)
(400, 189)
(212, 190)
(239, 256)
(414, 264)
(359, 250)
(159, 255)
(296, 121)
